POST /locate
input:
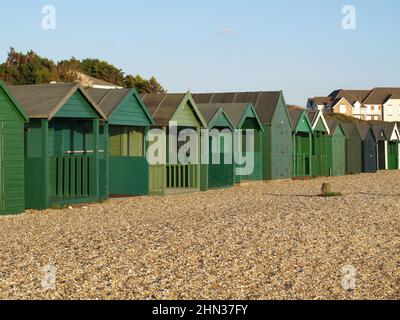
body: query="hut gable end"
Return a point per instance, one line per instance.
(77, 107)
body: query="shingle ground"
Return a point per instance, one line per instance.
(274, 240)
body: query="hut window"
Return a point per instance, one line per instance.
(126, 141)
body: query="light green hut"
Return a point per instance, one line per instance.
(302, 143)
(174, 112)
(220, 170)
(321, 133)
(244, 118)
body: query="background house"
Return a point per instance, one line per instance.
(379, 104)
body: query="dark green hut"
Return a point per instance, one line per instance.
(244, 118)
(273, 113)
(167, 175)
(321, 133)
(381, 145)
(219, 172)
(61, 145)
(128, 122)
(369, 150)
(336, 149)
(12, 119)
(393, 135)
(353, 149)
(302, 143)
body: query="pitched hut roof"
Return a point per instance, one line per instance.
(264, 102)
(43, 101)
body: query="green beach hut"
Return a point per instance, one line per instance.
(174, 111)
(302, 143)
(12, 119)
(220, 170)
(321, 133)
(393, 135)
(128, 122)
(353, 148)
(274, 116)
(336, 149)
(61, 145)
(244, 118)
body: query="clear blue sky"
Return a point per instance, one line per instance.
(218, 45)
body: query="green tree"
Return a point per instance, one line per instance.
(29, 68)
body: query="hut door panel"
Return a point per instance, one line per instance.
(128, 165)
(73, 165)
(393, 155)
(381, 155)
(220, 175)
(2, 200)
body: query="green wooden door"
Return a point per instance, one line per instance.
(302, 155)
(73, 176)
(129, 170)
(2, 200)
(338, 156)
(220, 175)
(320, 155)
(393, 153)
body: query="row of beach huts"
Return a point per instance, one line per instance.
(62, 144)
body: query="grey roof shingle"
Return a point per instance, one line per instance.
(295, 117)
(235, 111)
(108, 100)
(43, 101)
(163, 106)
(348, 128)
(264, 102)
(379, 131)
(363, 129)
(208, 110)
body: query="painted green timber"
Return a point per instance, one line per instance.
(219, 175)
(277, 146)
(179, 178)
(353, 150)
(320, 158)
(77, 107)
(129, 170)
(130, 112)
(221, 168)
(128, 167)
(302, 147)
(337, 152)
(251, 123)
(12, 199)
(62, 158)
(393, 155)
(185, 116)
(37, 168)
(104, 188)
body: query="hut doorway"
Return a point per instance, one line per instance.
(381, 155)
(73, 162)
(2, 206)
(302, 154)
(393, 155)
